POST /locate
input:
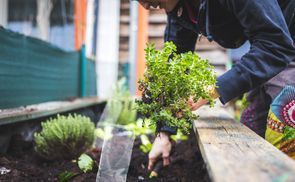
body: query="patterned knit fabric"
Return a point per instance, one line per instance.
(281, 122)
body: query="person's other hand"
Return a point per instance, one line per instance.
(200, 102)
(161, 148)
(196, 105)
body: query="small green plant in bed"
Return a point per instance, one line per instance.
(120, 108)
(169, 81)
(119, 112)
(240, 105)
(64, 137)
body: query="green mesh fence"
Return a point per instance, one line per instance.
(33, 71)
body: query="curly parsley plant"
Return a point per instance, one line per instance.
(169, 81)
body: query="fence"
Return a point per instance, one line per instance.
(33, 71)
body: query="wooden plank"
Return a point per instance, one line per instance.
(232, 152)
(8, 116)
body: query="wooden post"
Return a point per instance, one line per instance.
(142, 39)
(80, 7)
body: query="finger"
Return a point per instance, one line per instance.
(195, 107)
(151, 164)
(166, 161)
(198, 104)
(165, 157)
(190, 101)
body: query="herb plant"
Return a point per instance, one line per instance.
(146, 144)
(120, 108)
(169, 81)
(65, 137)
(66, 176)
(140, 129)
(85, 163)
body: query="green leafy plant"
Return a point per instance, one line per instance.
(104, 133)
(121, 107)
(85, 163)
(169, 81)
(179, 136)
(66, 176)
(64, 137)
(146, 144)
(239, 106)
(140, 129)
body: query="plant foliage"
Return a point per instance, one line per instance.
(65, 137)
(121, 107)
(140, 129)
(66, 176)
(146, 144)
(85, 163)
(169, 81)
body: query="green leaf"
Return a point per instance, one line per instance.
(66, 176)
(104, 133)
(179, 136)
(85, 163)
(146, 145)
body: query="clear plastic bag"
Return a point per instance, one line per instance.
(115, 157)
(115, 143)
(108, 118)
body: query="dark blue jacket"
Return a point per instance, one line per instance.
(269, 25)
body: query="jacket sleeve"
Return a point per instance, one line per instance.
(180, 30)
(271, 49)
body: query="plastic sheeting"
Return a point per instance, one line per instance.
(116, 144)
(115, 157)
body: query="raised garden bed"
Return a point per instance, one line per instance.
(25, 165)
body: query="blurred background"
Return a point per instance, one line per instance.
(109, 35)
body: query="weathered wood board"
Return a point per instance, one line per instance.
(8, 116)
(234, 153)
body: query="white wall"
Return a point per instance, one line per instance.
(90, 27)
(3, 12)
(107, 54)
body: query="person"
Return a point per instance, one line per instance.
(267, 71)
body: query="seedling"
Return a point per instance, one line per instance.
(146, 144)
(85, 163)
(66, 176)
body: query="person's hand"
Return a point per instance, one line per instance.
(161, 148)
(196, 105)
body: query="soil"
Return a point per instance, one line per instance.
(27, 166)
(188, 165)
